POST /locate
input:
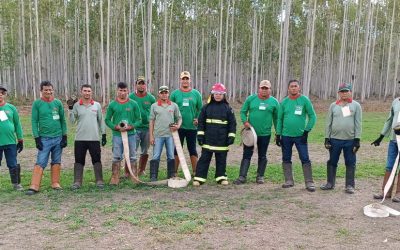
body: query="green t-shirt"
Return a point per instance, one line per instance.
(189, 104)
(127, 112)
(144, 103)
(260, 113)
(48, 119)
(163, 116)
(295, 116)
(10, 125)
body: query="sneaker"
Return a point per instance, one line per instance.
(196, 183)
(240, 180)
(31, 192)
(260, 180)
(327, 186)
(224, 182)
(18, 187)
(75, 186)
(349, 189)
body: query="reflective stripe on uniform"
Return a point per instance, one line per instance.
(232, 134)
(199, 179)
(216, 121)
(200, 132)
(220, 178)
(215, 147)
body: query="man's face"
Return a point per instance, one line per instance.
(86, 93)
(47, 92)
(265, 91)
(185, 82)
(3, 95)
(344, 95)
(141, 86)
(218, 97)
(294, 88)
(122, 93)
(164, 95)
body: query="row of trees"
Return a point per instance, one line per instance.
(239, 43)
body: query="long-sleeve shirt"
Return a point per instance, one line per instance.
(189, 104)
(10, 125)
(392, 120)
(260, 113)
(127, 112)
(295, 116)
(144, 103)
(343, 122)
(89, 120)
(48, 119)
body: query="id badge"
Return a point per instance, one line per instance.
(298, 110)
(56, 116)
(3, 116)
(346, 111)
(262, 106)
(185, 102)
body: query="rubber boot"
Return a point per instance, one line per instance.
(262, 165)
(98, 174)
(154, 164)
(396, 198)
(176, 164)
(36, 179)
(19, 173)
(78, 176)
(287, 172)
(170, 168)
(330, 176)
(142, 163)
(14, 179)
(385, 180)
(244, 168)
(134, 170)
(350, 172)
(308, 179)
(55, 176)
(115, 173)
(193, 160)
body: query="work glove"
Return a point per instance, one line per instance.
(327, 143)
(200, 139)
(396, 130)
(278, 140)
(378, 141)
(103, 139)
(63, 142)
(356, 145)
(39, 144)
(304, 137)
(71, 101)
(20, 146)
(231, 140)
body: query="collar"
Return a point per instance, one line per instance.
(122, 102)
(184, 90)
(48, 100)
(294, 97)
(348, 101)
(81, 102)
(1, 105)
(262, 98)
(159, 103)
(141, 95)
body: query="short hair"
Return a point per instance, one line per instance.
(45, 83)
(294, 80)
(86, 86)
(122, 85)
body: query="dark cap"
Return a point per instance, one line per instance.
(345, 87)
(3, 88)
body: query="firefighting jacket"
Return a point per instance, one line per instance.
(216, 123)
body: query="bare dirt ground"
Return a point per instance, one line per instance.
(210, 217)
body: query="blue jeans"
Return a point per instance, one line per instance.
(302, 149)
(158, 146)
(51, 145)
(391, 155)
(336, 150)
(143, 138)
(10, 153)
(118, 148)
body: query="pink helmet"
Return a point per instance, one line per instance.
(218, 88)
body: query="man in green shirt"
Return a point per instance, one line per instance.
(122, 115)
(259, 111)
(296, 118)
(50, 132)
(10, 133)
(190, 103)
(88, 116)
(342, 133)
(144, 99)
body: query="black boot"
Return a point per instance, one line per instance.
(170, 168)
(244, 168)
(350, 172)
(14, 179)
(331, 177)
(262, 165)
(308, 179)
(19, 173)
(154, 164)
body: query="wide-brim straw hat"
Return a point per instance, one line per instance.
(249, 137)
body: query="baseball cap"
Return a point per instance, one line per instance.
(163, 89)
(345, 87)
(185, 74)
(3, 88)
(140, 79)
(265, 83)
